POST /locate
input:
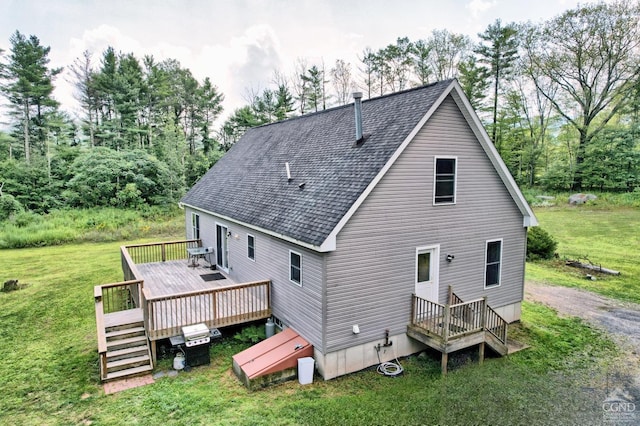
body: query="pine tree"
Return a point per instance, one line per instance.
(28, 85)
(499, 52)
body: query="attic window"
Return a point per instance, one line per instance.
(445, 180)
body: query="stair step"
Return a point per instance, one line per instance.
(126, 343)
(129, 372)
(120, 353)
(132, 362)
(124, 332)
(124, 326)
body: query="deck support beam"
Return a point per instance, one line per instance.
(154, 351)
(443, 362)
(481, 353)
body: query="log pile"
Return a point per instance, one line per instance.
(592, 267)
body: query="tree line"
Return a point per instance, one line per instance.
(560, 100)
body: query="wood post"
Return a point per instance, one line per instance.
(413, 309)
(450, 295)
(445, 324)
(443, 362)
(483, 324)
(154, 351)
(481, 353)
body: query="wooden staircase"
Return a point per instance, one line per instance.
(457, 325)
(123, 344)
(128, 352)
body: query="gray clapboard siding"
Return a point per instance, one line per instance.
(298, 307)
(371, 275)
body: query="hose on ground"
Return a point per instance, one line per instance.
(389, 369)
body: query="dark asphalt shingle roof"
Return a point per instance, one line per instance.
(249, 183)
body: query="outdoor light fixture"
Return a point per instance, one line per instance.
(450, 257)
(356, 329)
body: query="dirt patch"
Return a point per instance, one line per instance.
(620, 320)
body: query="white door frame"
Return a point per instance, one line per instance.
(429, 289)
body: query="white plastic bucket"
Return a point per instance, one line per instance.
(305, 370)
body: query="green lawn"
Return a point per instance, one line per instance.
(49, 368)
(608, 237)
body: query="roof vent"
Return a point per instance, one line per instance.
(357, 97)
(288, 171)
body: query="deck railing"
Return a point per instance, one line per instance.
(466, 317)
(160, 252)
(426, 314)
(112, 298)
(165, 316)
(456, 320)
(496, 325)
(119, 296)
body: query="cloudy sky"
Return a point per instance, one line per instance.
(239, 43)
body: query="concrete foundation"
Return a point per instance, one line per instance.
(359, 357)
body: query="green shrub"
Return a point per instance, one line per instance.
(9, 206)
(540, 244)
(251, 334)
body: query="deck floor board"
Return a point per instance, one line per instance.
(176, 276)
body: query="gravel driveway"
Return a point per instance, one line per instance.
(621, 320)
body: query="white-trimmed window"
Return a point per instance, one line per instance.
(295, 267)
(444, 180)
(195, 226)
(493, 263)
(251, 247)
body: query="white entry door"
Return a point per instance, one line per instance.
(427, 260)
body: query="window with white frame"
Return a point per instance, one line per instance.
(295, 267)
(444, 191)
(493, 263)
(195, 226)
(251, 247)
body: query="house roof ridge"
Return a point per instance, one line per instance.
(350, 104)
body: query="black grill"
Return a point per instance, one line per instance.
(197, 355)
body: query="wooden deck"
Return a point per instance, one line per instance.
(176, 276)
(130, 316)
(457, 325)
(164, 289)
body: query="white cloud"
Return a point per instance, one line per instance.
(477, 7)
(96, 40)
(246, 61)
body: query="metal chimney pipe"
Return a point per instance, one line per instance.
(357, 98)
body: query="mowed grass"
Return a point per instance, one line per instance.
(49, 368)
(607, 236)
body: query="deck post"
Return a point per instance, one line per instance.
(443, 362)
(154, 351)
(481, 353)
(445, 323)
(413, 308)
(484, 313)
(450, 296)
(164, 252)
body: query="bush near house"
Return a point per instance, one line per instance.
(540, 244)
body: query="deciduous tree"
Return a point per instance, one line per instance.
(589, 57)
